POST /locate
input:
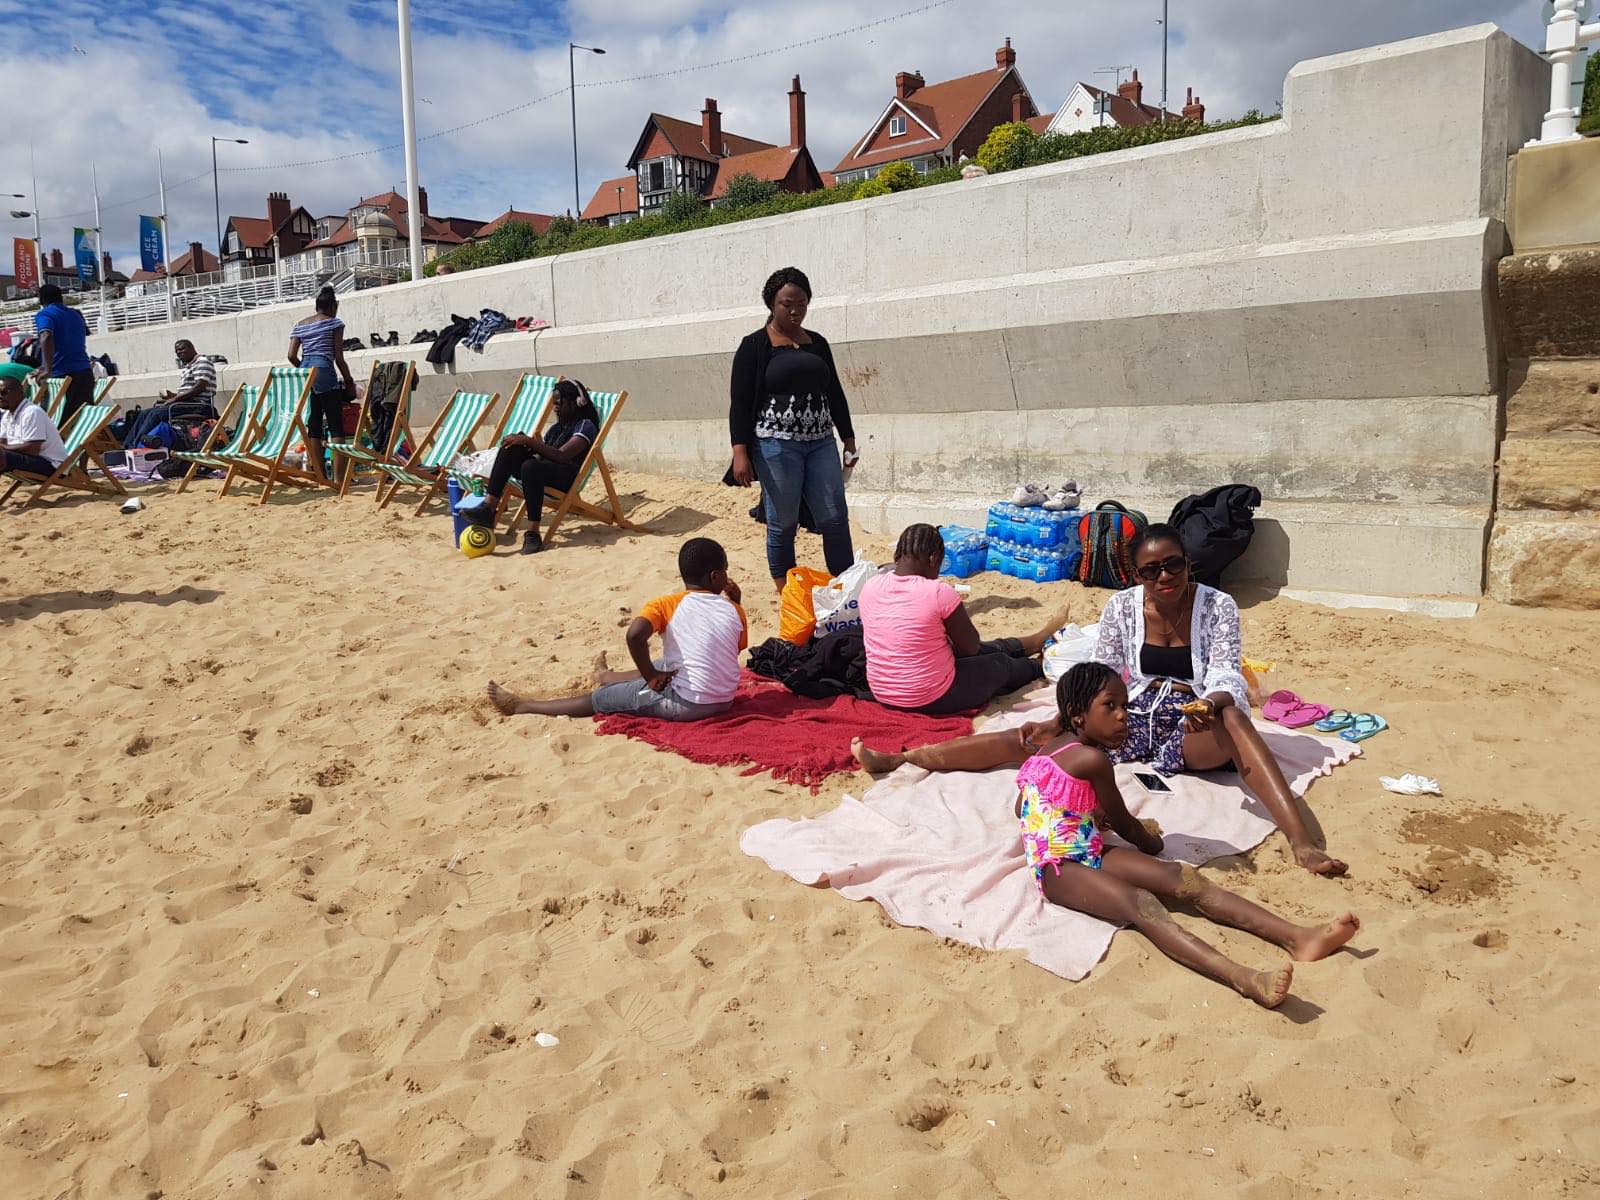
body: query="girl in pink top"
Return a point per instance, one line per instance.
(922, 650)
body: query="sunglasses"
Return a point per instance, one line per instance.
(1151, 572)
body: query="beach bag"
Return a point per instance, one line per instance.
(837, 604)
(1107, 535)
(1216, 528)
(26, 352)
(796, 618)
(349, 419)
(1072, 645)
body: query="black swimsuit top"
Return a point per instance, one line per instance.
(1166, 662)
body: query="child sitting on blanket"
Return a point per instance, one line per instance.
(702, 630)
(1068, 792)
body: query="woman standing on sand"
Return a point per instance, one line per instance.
(785, 404)
(1177, 643)
(318, 342)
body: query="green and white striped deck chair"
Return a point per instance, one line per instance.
(360, 448)
(529, 406)
(608, 405)
(216, 453)
(451, 434)
(102, 388)
(280, 417)
(57, 398)
(73, 473)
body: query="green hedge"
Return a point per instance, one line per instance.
(515, 241)
(1589, 114)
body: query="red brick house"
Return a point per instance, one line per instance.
(247, 241)
(933, 125)
(377, 229)
(194, 261)
(672, 155)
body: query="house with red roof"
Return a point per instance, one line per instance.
(247, 241)
(538, 222)
(196, 260)
(1087, 107)
(377, 231)
(673, 155)
(938, 124)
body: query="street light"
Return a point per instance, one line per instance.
(38, 244)
(216, 192)
(572, 91)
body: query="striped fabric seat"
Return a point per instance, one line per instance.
(217, 457)
(605, 403)
(73, 473)
(608, 406)
(529, 404)
(451, 434)
(58, 398)
(280, 417)
(361, 448)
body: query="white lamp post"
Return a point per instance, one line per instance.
(408, 119)
(1561, 43)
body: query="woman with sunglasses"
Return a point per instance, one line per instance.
(1177, 643)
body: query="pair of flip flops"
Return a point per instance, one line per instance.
(1352, 727)
(1288, 710)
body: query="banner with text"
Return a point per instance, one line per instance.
(83, 255)
(150, 256)
(26, 267)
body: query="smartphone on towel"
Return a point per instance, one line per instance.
(1153, 783)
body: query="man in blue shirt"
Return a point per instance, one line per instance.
(62, 351)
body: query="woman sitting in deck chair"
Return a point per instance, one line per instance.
(538, 461)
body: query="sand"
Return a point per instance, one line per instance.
(284, 906)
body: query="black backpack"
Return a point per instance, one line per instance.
(26, 352)
(1216, 528)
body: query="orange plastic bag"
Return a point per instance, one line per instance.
(796, 618)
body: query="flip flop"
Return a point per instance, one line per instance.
(1364, 725)
(1304, 714)
(1339, 718)
(1280, 704)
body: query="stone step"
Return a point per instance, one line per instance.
(1550, 559)
(1553, 395)
(1554, 471)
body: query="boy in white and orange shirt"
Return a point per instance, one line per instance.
(702, 631)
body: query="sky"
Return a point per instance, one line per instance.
(100, 85)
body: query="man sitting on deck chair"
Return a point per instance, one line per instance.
(29, 440)
(195, 397)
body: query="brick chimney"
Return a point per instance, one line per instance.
(1132, 89)
(1016, 106)
(197, 259)
(1193, 110)
(907, 82)
(797, 115)
(277, 209)
(711, 128)
(55, 261)
(422, 199)
(1005, 58)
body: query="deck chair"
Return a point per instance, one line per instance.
(73, 473)
(57, 397)
(360, 447)
(529, 406)
(216, 453)
(451, 434)
(280, 415)
(102, 388)
(608, 405)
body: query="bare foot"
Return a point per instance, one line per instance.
(1319, 941)
(1267, 988)
(598, 668)
(508, 702)
(874, 762)
(1318, 862)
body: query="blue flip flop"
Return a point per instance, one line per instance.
(1364, 726)
(1339, 718)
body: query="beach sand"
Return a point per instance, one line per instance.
(283, 905)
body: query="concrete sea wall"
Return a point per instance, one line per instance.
(1305, 305)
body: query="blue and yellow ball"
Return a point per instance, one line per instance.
(477, 540)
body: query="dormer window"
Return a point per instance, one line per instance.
(897, 126)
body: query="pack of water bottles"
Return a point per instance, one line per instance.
(1033, 526)
(1041, 564)
(966, 551)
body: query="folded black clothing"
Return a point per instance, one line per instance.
(822, 668)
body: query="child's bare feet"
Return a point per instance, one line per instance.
(1319, 941)
(508, 702)
(1318, 862)
(874, 762)
(1268, 988)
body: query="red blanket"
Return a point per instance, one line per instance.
(795, 739)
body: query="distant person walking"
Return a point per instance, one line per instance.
(785, 403)
(63, 350)
(318, 342)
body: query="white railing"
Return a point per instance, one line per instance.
(1562, 40)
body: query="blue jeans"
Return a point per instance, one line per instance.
(789, 471)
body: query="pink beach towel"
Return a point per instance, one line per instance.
(793, 738)
(941, 851)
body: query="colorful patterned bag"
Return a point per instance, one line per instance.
(1107, 535)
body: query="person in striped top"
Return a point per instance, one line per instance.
(195, 396)
(318, 342)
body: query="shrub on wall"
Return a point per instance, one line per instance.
(1589, 114)
(683, 208)
(1007, 147)
(872, 187)
(897, 177)
(745, 191)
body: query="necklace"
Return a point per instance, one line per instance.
(1171, 626)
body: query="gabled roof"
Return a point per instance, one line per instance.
(443, 231)
(605, 201)
(1122, 110)
(940, 112)
(182, 265)
(255, 233)
(686, 140)
(1040, 123)
(538, 221)
(773, 165)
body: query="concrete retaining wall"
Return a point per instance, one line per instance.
(1303, 305)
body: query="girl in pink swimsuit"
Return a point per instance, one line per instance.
(1067, 794)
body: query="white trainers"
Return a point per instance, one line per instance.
(1028, 495)
(1064, 498)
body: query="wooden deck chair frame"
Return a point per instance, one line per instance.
(241, 433)
(73, 474)
(402, 422)
(272, 471)
(569, 501)
(540, 417)
(442, 474)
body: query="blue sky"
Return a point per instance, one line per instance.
(110, 81)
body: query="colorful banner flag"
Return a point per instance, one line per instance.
(26, 266)
(150, 249)
(83, 254)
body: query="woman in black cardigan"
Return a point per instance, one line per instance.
(785, 404)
